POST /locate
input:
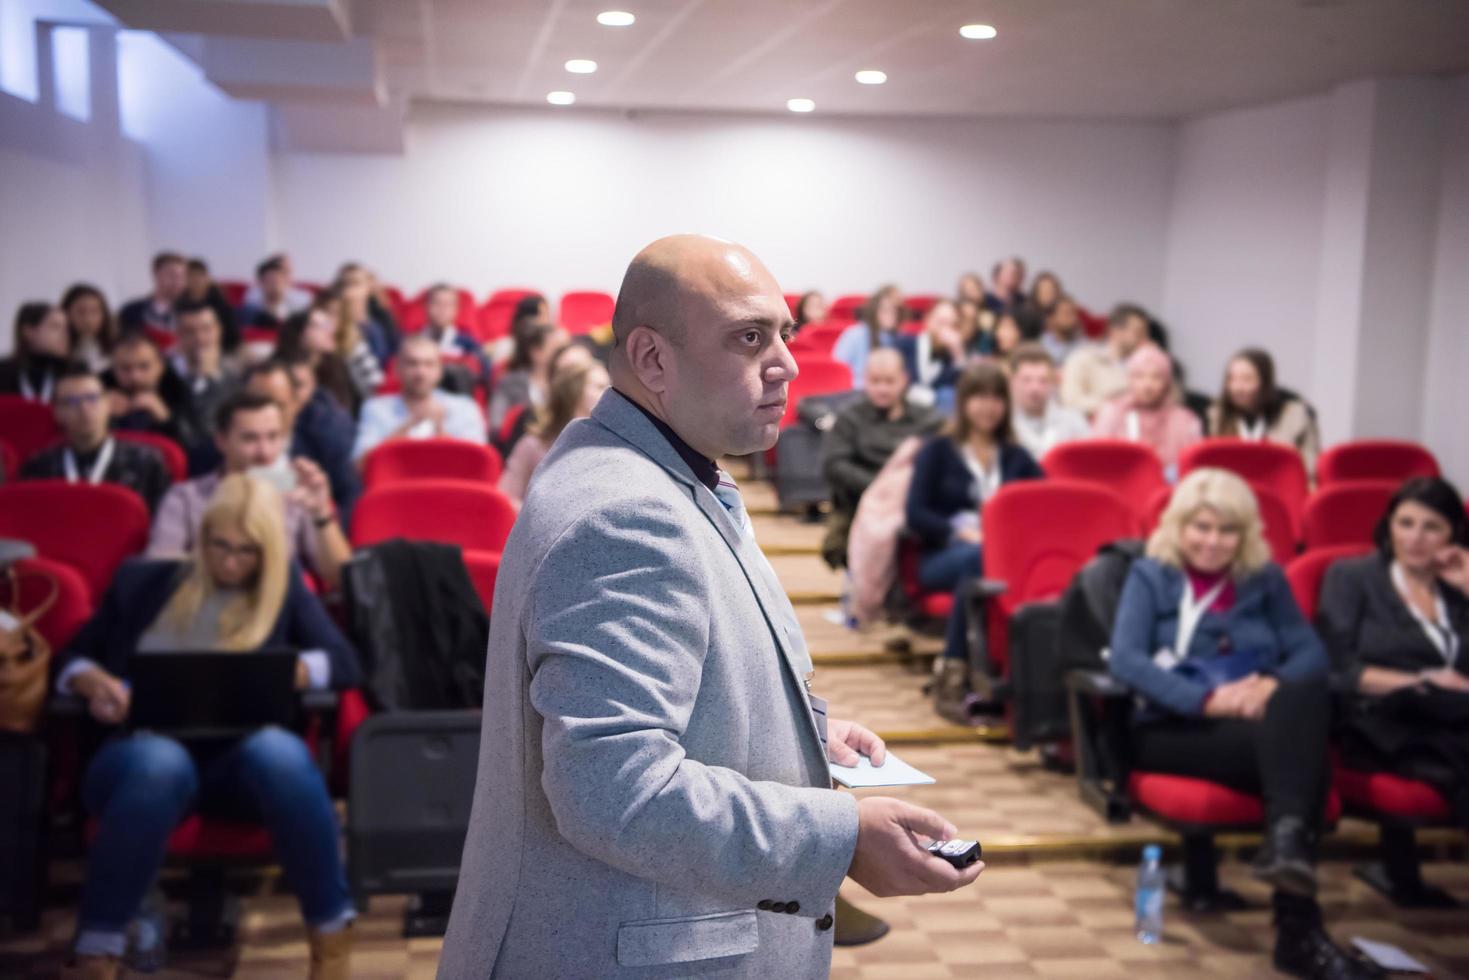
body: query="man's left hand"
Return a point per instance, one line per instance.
(847, 740)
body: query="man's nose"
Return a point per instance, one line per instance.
(785, 367)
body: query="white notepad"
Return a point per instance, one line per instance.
(893, 772)
(1389, 957)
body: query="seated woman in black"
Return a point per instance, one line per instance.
(239, 592)
(1233, 686)
(1396, 625)
(953, 475)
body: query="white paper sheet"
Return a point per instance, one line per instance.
(894, 772)
(1389, 957)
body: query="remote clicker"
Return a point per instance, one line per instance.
(959, 853)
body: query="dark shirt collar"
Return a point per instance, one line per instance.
(705, 471)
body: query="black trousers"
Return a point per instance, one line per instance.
(1282, 757)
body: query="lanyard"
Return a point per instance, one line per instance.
(29, 393)
(1438, 630)
(1190, 611)
(1134, 430)
(99, 467)
(1254, 432)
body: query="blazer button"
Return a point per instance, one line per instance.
(824, 923)
(778, 907)
(765, 905)
(793, 907)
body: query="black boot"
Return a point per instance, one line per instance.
(951, 690)
(855, 927)
(1287, 858)
(1304, 949)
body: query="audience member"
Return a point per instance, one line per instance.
(1040, 421)
(422, 410)
(364, 372)
(1149, 411)
(862, 438)
(1233, 684)
(971, 289)
(575, 390)
(1008, 278)
(379, 306)
(145, 395)
(237, 591)
(528, 375)
(272, 298)
(954, 474)
(155, 311)
(93, 330)
(1063, 334)
(1252, 407)
(318, 428)
(528, 310)
(1007, 337)
(935, 357)
(442, 304)
(42, 345)
(200, 287)
(811, 308)
(978, 341)
(355, 318)
(312, 336)
(1096, 373)
(1396, 625)
(89, 452)
(881, 319)
(1034, 310)
(251, 434)
(199, 359)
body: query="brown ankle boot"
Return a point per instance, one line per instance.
(950, 688)
(331, 954)
(92, 968)
(855, 927)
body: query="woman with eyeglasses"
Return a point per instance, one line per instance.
(238, 592)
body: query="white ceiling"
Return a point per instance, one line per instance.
(1136, 59)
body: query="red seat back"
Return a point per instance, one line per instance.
(818, 376)
(1277, 523)
(163, 338)
(175, 460)
(584, 311)
(401, 460)
(73, 605)
(234, 291)
(9, 462)
(1092, 325)
(1038, 534)
(497, 314)
(820, 338)
(483, 568)
(1129, 469)
(91, 528)
(470, 515)
(1375, 459)
(793, 303)
(1346, 513)
(918, 306)
(1277, 468)
(845, 309)
(27, 426)
(1307, 572)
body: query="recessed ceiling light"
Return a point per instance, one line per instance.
(800, 105)
(560, 98)
(978, 32)
(871, 76)
(615, 18)
(581, 66)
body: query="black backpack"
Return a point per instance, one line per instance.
(1089, 604)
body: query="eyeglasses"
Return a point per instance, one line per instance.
(79, 401)
(232, 551)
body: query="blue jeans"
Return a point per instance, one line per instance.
(141, 787)
(942, 571)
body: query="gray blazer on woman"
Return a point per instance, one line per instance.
(651, 787)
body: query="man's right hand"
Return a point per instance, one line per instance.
(108, 698)
(890, 858)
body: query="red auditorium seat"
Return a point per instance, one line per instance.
(451, 511)
(818, 375)
(820, 338)
(584, 311)
(1345, 513)
(499, 310)
(1375, 459)
(1129, 469)
(1307, 572)
(172, 453)
(1278, 469)
(73, 605)
(262, 336)
(234, 291)
(508, 424)
(918, 306)
(1092, 325)
(846, 309)
(402, 460)
(1191, 802)
(26, 426)
(397, 302)
(1277, 523)
(924, 604)
(9, 462)
(793, 303)
(415, 313)
(483, 567)
(162, 338)
(91, 528)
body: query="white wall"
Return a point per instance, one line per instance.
(561, 200)
(1446, 395)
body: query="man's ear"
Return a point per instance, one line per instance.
(646, 353)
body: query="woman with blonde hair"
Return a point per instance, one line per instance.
(1232, 681)
(576, 388)
(238, 592)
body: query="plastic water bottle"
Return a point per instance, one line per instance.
(1148, 903)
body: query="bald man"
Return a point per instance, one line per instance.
(653, 798)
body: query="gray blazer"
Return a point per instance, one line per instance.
(651, 781)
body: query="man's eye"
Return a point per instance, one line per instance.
(752, 337)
